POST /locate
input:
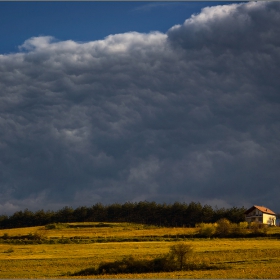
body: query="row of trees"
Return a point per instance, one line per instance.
(170, 215)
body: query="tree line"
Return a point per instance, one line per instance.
(150, 213)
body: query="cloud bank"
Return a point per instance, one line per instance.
(190, 115)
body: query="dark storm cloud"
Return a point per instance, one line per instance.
(189, 115)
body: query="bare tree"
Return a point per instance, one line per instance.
(180, 253)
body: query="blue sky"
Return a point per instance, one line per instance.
(132, 101)
(87, 21)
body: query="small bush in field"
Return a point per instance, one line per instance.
(258, 228)
(206, 230)
(243, 225)
(223, 227)
(5, 236)
(236, 230)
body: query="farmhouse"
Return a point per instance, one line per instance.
(260, 214)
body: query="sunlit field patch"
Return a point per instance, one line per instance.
(94, 230)
(243, 258)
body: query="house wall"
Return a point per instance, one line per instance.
(269, 219)
(254, 216)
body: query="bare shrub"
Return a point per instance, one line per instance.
(223, 227)
(180, 253)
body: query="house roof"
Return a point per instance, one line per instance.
(261, 208)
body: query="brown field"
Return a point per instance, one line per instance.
(243, 258)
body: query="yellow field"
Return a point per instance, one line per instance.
(116, 230)
(244, 258)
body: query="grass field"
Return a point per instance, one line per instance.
(243, 258)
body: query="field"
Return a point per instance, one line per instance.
(242, 258)
(101, 230)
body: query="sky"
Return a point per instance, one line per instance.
(132, 101)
